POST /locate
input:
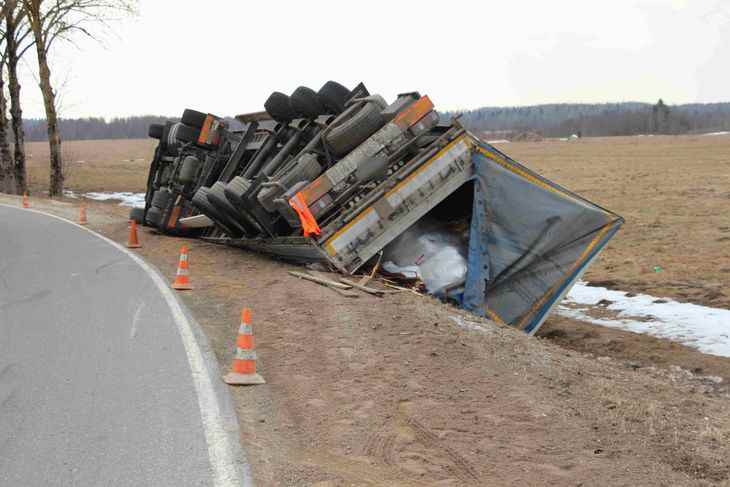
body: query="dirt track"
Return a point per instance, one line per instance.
(392, 391)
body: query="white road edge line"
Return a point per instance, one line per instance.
(222, 459)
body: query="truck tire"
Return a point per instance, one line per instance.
(236, 189)
(217, 198)
(333, 96)
(155, 131)
(161, 198)
(354, 128)
(183, 133)
(153, 217)
(200, 201)
(193, 118)
(137, 215)
(306, 103)
(278, 106)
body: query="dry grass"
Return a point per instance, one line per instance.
(94, 165)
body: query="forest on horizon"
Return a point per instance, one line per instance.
(549, 120)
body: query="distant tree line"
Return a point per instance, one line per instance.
(557, 120)
(630, 118)
(94, 128)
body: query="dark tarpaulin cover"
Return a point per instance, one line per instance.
(529, 242)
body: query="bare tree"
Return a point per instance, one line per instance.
(7, 179)
(51, 20)
(18, 40)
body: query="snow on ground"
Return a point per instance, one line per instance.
(717, 133)
(468, 324)
(498, 141)
(127, 199)
(701, 327)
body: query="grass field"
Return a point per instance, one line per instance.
(94, 165)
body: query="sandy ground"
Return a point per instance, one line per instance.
(393, 391)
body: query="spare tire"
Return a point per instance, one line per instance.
(193, 118)
(306, 103)
(333, 96)
(354, 126)
(278, 106)
(155, 131)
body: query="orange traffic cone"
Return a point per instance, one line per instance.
(243, 371)
(26, 201)
(82, 215)
(182, 281)
(133, 241)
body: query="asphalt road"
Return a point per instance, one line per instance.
(104, 378)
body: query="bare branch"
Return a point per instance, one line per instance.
(50, 20)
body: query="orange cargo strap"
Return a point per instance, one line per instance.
(309, 224)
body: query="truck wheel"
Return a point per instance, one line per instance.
(278, 105)
(306, 103)
(200, 201)
(153, 217)
(193, 118)
(184, 133)
(217, 198)
(137, 214)
(333, 96)
(235, 190)
(155, 131)
(161, 198)
(351, 129)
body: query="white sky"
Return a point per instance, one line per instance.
(226, 56)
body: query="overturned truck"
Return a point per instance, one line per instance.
(342, 176)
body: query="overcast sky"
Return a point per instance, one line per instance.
(226, 56)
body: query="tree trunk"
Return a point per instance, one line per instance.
(7, 176)
(49, 101)
(16, 113)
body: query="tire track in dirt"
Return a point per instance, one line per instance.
(412, 441)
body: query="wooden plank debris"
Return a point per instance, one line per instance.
(369, 290)
(339, 288)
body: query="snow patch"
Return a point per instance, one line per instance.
(498, 141)
(701, 327)
(135, 200)
(469, 325)
(717, 133)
